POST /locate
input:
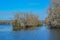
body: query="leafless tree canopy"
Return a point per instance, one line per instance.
(27, 18)
(54, 14)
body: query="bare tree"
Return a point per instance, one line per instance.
(53, 18)
(21, 20)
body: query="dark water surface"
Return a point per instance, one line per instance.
(42, 33)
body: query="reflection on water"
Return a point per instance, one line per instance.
(24, 35)
(39, 34)
(55, 34)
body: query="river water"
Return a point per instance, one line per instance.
(42, 33)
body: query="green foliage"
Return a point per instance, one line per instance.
(40, 24)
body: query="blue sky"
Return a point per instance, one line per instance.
(7, 7)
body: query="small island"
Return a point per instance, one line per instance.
(24, 21)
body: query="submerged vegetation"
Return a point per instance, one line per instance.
(25, 21)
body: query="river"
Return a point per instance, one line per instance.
(42, 33)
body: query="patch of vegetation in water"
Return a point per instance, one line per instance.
(29, 21)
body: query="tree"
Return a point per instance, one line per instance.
(25, 19)
(54, 15)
